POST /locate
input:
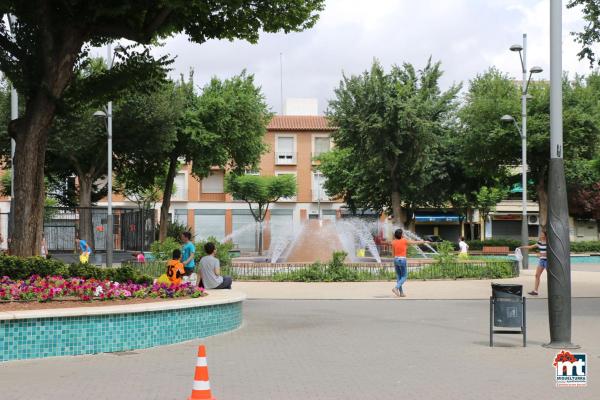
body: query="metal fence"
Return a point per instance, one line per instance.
(133, 229)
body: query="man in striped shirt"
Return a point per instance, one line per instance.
(541, 245)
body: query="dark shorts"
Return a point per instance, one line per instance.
(188, 271)
(226, 284)
(543, 263)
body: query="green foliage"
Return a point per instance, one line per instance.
(390, 127)
(457, 270)
(589, 36)
(445, 253)
(585, 247)
(164, 250)
(260, 190)
(223, 250)
(174, 230)
(22, 268)
(478, 244)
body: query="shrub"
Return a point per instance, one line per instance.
(445, 253)
(163, 251)
(585, 247)
(478, 244)
(23, 268)
(174, 230)
(223, 250)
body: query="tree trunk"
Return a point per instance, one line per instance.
(260, 238)
(86, 226)
(542, 195)
(166, 202)
(31, 134)
(397, 209)
(29, 190)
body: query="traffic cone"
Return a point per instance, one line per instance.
(201, 388)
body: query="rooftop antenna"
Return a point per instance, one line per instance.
(281, 81)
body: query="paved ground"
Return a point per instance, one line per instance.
(322, 350)
(585, 283)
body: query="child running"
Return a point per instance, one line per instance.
(541, 245)
(399, 249)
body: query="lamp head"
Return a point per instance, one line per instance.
(507, 118)
(516, 47)
(100, 114)
(535, 70)
(119, 49)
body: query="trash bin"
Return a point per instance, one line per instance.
(508, 306)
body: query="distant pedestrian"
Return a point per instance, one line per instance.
(140, 257)
(399, 250)
(541, 245)
(464, 248)
(188, 253)
(210, 270)
(44, 247)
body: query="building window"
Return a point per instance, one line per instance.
(293, 198)
(285, 150)
(180, 189)
(181, 217)
(244, 230)
(318, 187)
(322, 145)
(213, 183)
(209, 223)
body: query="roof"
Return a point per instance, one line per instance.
(299, 123)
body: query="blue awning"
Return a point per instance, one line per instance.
(437, 218)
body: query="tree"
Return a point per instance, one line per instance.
(590, 35)
(47, 40)
(222, 127)
(487, 199)
(491, 149)
(259, 192)
(142, 113)
(389, 125)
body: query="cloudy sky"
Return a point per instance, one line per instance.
(467, 36)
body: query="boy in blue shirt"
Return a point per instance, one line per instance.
(188, 253)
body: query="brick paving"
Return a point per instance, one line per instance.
(323, 349)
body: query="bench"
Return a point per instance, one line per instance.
(495, 250)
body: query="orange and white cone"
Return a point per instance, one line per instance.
(201, 388)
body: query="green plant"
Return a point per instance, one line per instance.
(174, 230)
(223, 250)
(585, 247)
(445, 253)
(23, 268)
(163, 251)
(478, 244)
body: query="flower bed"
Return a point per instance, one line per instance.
(44, 289)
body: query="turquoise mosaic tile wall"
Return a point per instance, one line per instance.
(48, 337)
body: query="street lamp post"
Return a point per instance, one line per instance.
(559, 262)
(108, 115)
(522, 50)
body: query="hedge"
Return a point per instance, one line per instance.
(576, 247)
(22, 268)
(586, 247)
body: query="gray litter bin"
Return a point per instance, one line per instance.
(507, 310)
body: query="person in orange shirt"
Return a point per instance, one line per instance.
(175, 270)
(399, 249)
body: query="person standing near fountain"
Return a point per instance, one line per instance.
(189, 253)
(399, 250)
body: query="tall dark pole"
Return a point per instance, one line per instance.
(559, 264)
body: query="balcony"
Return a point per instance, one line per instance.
(285, 158)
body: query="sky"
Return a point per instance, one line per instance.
(467, 36)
